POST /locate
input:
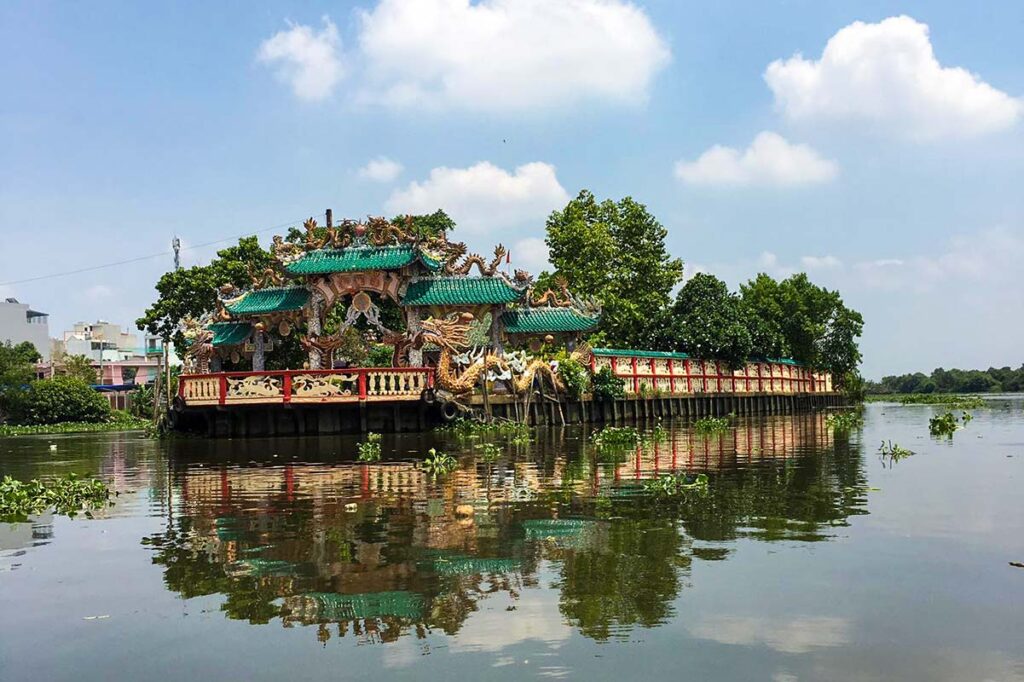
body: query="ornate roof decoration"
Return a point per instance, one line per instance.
(267, 301)
(651, 354)
(359, 259)
(547, 320)
(588, 306)
(426, 291)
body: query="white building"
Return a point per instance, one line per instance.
(18, 323)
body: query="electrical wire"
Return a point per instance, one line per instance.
(137, 259)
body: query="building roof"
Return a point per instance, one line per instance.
(460, 291)
(230, 333)
(543, 320)
(272, 300)
(618, 352)
(359, 259)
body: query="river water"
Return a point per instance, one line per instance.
(810, 557)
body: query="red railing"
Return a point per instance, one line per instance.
(677, 376)
(297, 386)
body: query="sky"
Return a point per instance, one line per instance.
(878, 146)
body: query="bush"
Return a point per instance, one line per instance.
(380, 355)
(574, 375)
(607, 386)
(61, 399)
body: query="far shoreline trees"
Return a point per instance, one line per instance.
(991, 380)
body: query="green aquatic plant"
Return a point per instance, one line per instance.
(68, 496)
(676, 485)
(844, 421)
(658, 433)
(488, 452)
(945, 424)
(894, 450)
(439, 462)
(369, 449)
(617, 437)
(470, 428)
(955, 401)
(708, 425)
(119, 421)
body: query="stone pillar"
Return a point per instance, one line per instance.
(497, 329)
(412, 325)
(313, 327)
(215, 363)
(258, 357)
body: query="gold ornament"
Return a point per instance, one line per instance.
(284, 328)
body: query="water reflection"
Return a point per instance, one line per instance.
(376, 552)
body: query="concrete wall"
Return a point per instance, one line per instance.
(16, 327)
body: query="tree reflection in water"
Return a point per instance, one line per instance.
(377, 551)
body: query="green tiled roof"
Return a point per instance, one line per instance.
(678, 356)
(358, 259)
(273, 300)
(640, 353)
(460, 291)
(539, 320)
(400, 604)
(230, 333)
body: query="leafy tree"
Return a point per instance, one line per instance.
(760, 301)
(616, 252)
(192, 292)
(61, 399)
(708, 322)
(817, 328)
(79, 367)
(16, 372)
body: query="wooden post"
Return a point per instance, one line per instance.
(329, 215)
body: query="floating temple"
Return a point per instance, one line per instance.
(469, 337)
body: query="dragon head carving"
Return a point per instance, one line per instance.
(451, 333)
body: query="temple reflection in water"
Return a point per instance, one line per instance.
(377, 551)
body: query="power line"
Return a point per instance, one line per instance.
(137, 259)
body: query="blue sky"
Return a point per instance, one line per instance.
(884, 157)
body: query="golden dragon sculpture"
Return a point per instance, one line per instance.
(451, 335)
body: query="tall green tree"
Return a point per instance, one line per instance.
(816, 326)
(708, 322)
(192, 292)
(616, 252)
(16, 372)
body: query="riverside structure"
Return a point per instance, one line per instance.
(477, 340)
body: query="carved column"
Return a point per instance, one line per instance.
(497, 330)
(412, 325)
(258, 356)
(313, 327)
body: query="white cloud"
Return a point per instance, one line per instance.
(530, 254)
(787, 635)
(307, 60)
(496, 55)
(483, 197)
(770, 160)
(821, 262)
(381, 169)
(886, 76)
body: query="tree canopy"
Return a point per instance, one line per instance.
(707, 321)
(991, 380)
(616, 252)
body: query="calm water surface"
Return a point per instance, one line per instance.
(810, 558)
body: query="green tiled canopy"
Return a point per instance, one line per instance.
(400, 604)
(358, 259)
(273, 300)
(460, 291)
(640, 353)
(544, 320)
(230, 333)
